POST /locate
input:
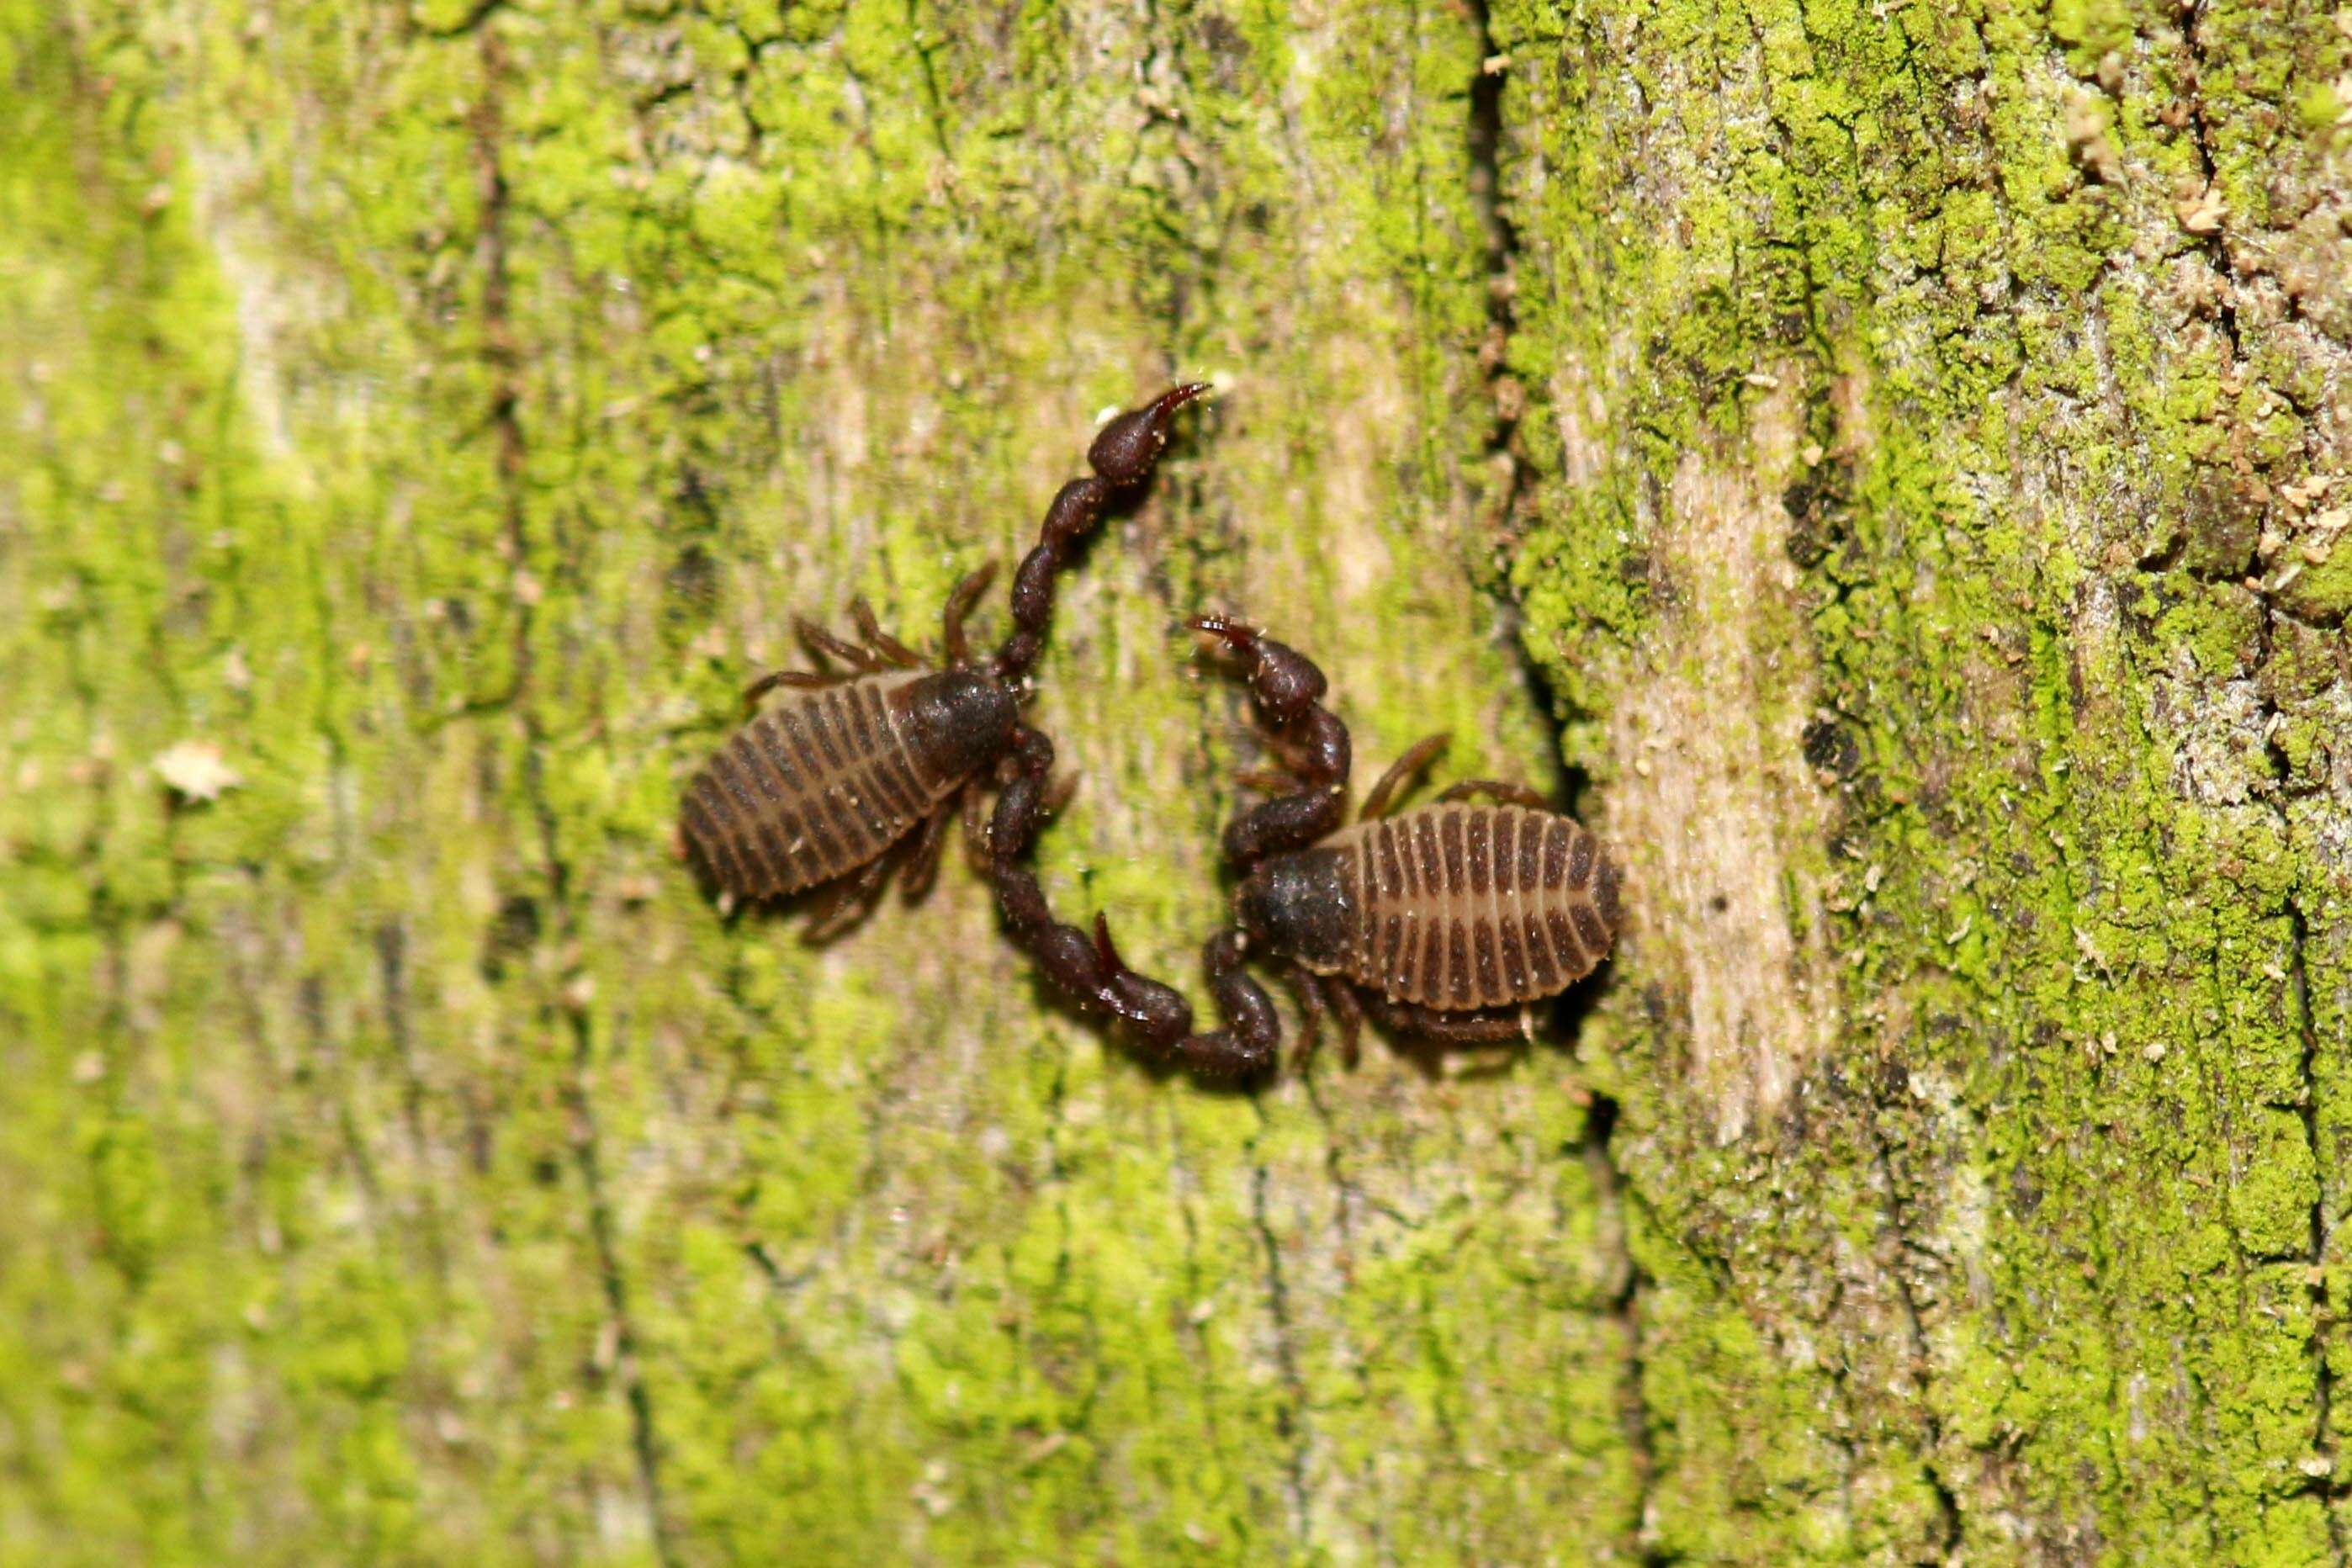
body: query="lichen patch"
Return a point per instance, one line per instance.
(1719, 820)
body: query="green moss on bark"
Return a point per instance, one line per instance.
(1898, 434)
(2090, 1023)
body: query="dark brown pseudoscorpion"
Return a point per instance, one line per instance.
(1454, 905)
(1450, 917)
(820, 786)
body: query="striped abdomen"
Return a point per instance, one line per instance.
(1458, 905)
(823, 780)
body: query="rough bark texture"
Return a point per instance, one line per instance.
(1908, 442)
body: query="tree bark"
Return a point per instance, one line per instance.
(1883, 466)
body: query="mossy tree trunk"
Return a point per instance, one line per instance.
(1909, 444)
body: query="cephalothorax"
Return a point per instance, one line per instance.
(820, 786)
(1450, 917)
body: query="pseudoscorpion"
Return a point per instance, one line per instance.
(818, 787)
(1450, 917)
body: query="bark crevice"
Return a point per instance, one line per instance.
(502, 355)
(1290, 1414)
(2329, 1484)
(1950, 1531)
(1629, 1284)
(1484, 134)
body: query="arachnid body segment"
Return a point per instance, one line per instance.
(1456, 905)
(823, 780)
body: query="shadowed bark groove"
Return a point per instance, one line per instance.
(502, 355)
